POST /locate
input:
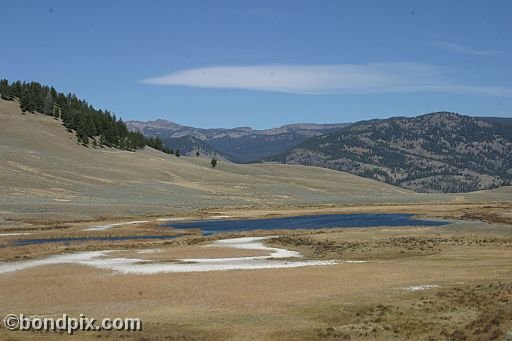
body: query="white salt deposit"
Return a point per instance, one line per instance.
(91, 258)
(149, 251)
(213, 217)
(278, 258)
(14, 234)
(253, 243)
(421, 287)
(106, 227)
(174, 219)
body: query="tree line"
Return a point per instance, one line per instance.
(90, 124)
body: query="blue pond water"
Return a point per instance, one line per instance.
(306, 222)
(22, 242)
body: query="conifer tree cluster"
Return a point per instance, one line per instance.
(156, 143)
(77, 115)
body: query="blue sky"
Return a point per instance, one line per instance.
(266, 63)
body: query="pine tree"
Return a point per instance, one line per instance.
(56, 111)
(48, 104)
(90, 126)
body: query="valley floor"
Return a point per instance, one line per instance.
(434, 283)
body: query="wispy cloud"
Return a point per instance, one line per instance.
(454, 47)
(326, 79)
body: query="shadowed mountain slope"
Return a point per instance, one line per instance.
(240, 145)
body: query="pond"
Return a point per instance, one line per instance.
(310, 222)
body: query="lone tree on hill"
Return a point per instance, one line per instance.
(214, 162)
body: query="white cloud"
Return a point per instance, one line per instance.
(325, 79)
(454, 47)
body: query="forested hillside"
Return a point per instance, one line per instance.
(92, 126)
(191, 146)
(438, 152)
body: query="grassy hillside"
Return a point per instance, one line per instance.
(45, 172)
(439, 152)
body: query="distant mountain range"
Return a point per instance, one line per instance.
(438, 152)
(241, 145)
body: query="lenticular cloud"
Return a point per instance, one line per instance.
(325, 79)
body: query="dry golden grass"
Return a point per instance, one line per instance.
(344, 300)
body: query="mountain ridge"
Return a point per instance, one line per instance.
(240, 144)
(436, 152)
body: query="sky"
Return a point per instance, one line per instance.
(266, 63)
